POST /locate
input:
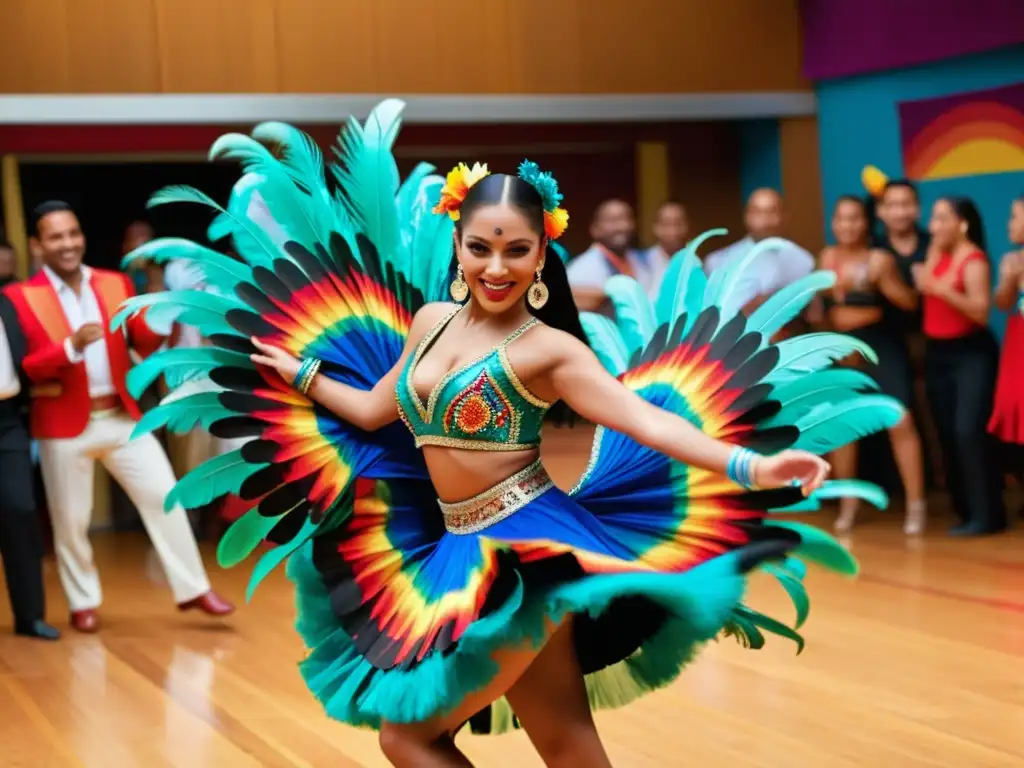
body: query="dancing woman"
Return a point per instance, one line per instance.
(441, 578)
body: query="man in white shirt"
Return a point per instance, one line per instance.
(82, 412)
(613, 229)
(771, 271)
(21, 545)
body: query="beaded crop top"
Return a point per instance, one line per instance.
(479, 406)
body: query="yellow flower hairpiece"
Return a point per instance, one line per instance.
(457, 186)
(874, 181)
(556, 222)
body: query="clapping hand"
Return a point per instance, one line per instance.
(791, 467)
(285, 364)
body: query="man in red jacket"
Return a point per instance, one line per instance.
(81, 412)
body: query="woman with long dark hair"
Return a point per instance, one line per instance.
(867, 278)
(1007, 421)
(961, 358)
(441, 577)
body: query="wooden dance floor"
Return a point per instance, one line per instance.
(918, 662)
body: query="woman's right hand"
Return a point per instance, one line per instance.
(276, 358)
(1011, 268)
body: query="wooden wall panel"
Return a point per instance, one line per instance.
(398, 46)
(801, 182)
(218, 46)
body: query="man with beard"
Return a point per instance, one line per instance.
(81, 412)
(612, 228)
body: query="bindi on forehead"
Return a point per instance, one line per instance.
(497, 230)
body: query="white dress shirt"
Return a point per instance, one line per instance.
(80, 310)
(9, 383)
(770, 272)
(591, 269)
(182, 275)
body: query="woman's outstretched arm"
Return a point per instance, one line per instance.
(367, 409)
(582, 383)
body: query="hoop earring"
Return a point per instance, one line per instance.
(538, 294)
(459, 288)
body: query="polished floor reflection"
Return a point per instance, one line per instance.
(919, 662)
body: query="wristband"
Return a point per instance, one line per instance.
(741, 466)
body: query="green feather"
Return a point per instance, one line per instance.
(183, 414)
(368, 175)
(818, 547)
(634, 313)
(206, 311)
(833, 425)
(211, 480)
(727, 296)
(244, 535)
(606, 341)
(684, 283)
(278, 555)
(784, 306)
(198, 358)
(218, 270)
(800, 396)
(812, 352)
(794, 588)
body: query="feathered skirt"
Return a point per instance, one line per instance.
(403, 605)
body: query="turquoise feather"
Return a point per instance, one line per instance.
(198, 358)
(180, 193)
(184, 414)
(794, 588)
(684, 283)
(833, 425)
(218, 270)
(205, 311)
(212, 479)
(282, 195)
(784, 306)
(799, 396)
(431, 260)
(606, 342)
(839, 489)
(244, 535)
(369, 177)
(634, 312)
(560, 251)
(814, 351)
(819, 547)
(278, 555)
(728, 297)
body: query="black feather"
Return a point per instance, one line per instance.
(252, 323)
(237, 426)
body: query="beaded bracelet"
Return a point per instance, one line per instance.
(306, 373)
(740, 469)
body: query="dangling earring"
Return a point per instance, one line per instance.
(459, 288)
(537, 296)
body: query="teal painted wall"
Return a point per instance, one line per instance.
(859, 125)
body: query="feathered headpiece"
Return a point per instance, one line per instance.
(461, 178)
(874, 181)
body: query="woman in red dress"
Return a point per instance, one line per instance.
(961, 359)
(1007, 422)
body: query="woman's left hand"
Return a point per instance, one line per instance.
(784, 468)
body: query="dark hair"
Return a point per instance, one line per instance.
(901, 184)
(967, 212)
(867, 206)
(560, 311)
(45, 209)
(5, 245)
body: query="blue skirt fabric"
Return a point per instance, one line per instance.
(402, 618)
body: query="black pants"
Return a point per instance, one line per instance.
(960, 375)
(21, 544)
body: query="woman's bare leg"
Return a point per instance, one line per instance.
(429, 744)
(550, 700)
(844, 466)
(906, 449)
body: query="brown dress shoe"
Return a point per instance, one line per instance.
(85, 621)
(211, 603)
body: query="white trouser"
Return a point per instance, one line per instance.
(142, 469)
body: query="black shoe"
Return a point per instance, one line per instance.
(976, 529)
(38, 629)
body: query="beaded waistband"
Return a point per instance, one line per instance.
(497, 503)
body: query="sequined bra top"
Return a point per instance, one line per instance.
(480, 406)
